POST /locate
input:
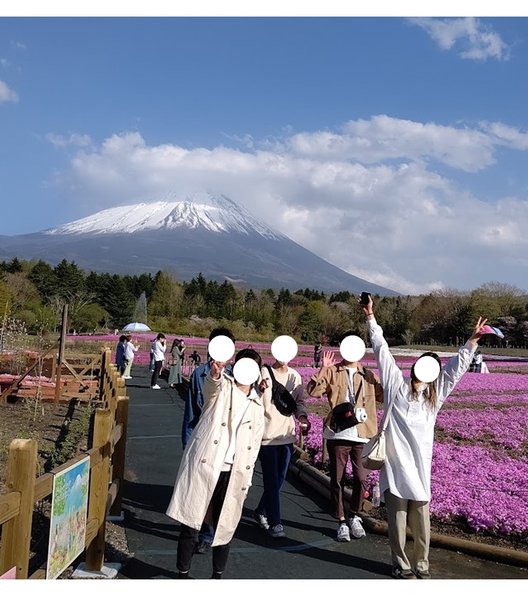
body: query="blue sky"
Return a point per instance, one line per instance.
(395, 148)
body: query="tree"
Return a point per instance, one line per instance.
(43, 277)
(89, 318)
(24, 294)
(111, 293)
(69, 279)
(310, 321)
(167, 297)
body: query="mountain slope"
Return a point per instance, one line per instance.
(207, 234)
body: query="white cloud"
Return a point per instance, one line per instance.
(18, 45)
(7, 94)
(383, 138)
(474, 39)
(73, 139)
(395, 221)
(506, 135)
(4, 63)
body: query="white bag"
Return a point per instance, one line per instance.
(373, 456)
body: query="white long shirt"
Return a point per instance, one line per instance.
(410, 431)
(159, 351)
(130, 350)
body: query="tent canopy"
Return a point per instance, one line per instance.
(135, 327)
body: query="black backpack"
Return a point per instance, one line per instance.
(281, 398)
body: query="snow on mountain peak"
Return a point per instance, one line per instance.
(216, 214)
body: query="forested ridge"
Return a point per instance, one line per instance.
(33, 293)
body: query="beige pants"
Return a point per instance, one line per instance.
(128, 368)
(403, 512)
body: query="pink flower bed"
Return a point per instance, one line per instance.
(503, 427)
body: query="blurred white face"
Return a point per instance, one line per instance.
(426, 369)
(221, 348)
(246, 371)
(352, 348)
(284, 349)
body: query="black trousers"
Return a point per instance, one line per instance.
(155, 375)
(189, 536)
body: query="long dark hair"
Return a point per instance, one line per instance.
(430, 393)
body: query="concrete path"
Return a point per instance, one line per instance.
(309, 551)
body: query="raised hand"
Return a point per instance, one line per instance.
(216, 369)
(263, 385)
(328, 359)
(477, 330)
(368, 309)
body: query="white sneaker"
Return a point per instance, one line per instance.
(356, 527)
(261, 520)
(155, 387)
(127, 377)
(343, 533)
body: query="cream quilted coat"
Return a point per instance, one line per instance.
(203, 458)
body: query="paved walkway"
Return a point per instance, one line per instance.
(310, 550)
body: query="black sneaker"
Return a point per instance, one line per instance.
(202, 548)
(423, 574)
(399, 573)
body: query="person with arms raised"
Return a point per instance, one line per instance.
(405, 478)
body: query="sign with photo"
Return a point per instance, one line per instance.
(69, 509)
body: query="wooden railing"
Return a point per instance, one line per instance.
(77, 378)
(107, 465)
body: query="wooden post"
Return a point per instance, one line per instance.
(102, 370)
(118, 468)
(60, 357)
(16, 533)
(99, 480)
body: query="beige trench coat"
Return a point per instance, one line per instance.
(203, 459)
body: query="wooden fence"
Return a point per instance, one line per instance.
(107, 466)
(78, 377)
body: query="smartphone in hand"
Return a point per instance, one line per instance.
(364, 300)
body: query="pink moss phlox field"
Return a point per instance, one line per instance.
(494, 382)
(482, 486)
(503, 427)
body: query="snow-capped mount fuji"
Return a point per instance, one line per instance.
(197, 233)
(215, 214)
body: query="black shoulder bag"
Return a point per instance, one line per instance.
(281, 398)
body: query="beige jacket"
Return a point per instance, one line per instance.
(203, 459)
(332, 381)
(279, 429)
